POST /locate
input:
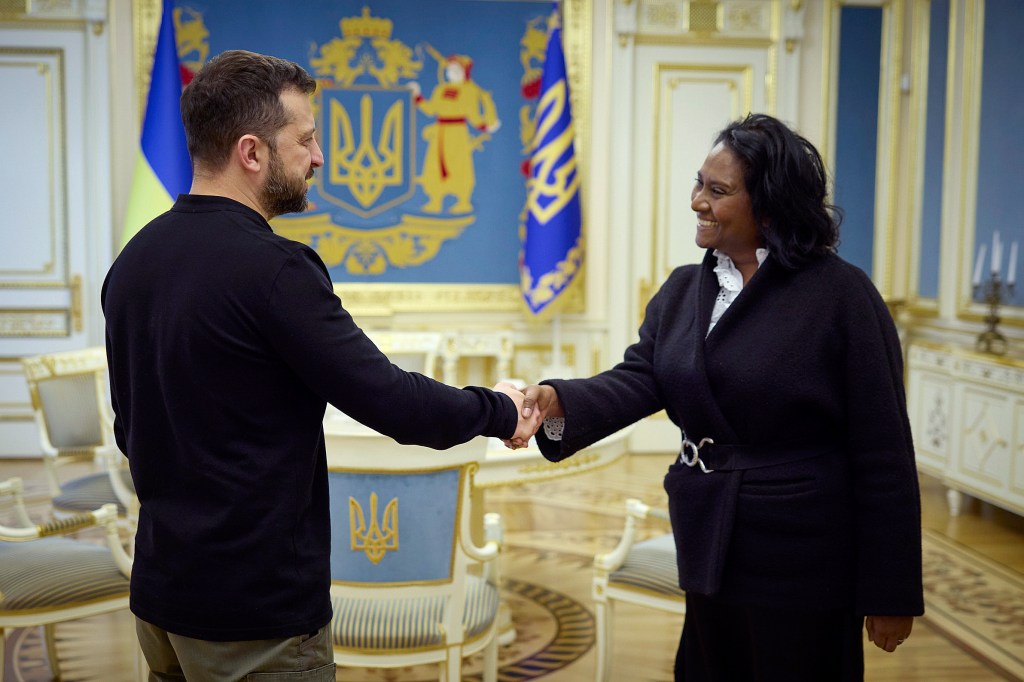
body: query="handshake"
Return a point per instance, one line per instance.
(535, 404)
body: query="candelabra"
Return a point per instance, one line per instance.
(995, 292)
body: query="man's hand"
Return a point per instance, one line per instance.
(527, 425)
(888, 632)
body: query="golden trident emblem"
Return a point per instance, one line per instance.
(378, 539)
(365, 167)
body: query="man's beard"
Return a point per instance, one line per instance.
(281, 194)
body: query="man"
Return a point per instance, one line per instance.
(225, 342)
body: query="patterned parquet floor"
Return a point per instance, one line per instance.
(974, 571)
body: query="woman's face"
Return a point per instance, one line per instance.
(725, 216)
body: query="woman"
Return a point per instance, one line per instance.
(794, 503)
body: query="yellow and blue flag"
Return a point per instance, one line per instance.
(162, 168)
(552, 250)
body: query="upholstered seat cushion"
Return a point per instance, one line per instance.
(650, 565)
(90, 492)
(408, 623)
(56, 573)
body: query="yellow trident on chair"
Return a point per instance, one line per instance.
(378, 539)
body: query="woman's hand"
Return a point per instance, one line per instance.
(542, 398)
(539, 403)
(887, 632)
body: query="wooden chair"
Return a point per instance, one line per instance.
(69, 400)
(409, 585)
(46, 579)
(642, 573)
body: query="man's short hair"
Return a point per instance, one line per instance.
(237, 93)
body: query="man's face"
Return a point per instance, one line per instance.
(283, 193)
(294, 155)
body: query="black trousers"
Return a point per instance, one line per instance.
(724, 642)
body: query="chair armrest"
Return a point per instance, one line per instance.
(105, 516)
(659, 513)
(635, 510)
(493, 536)
(61, 526)
(113, 463)
(14, 487)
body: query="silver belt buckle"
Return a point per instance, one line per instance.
(694, 458)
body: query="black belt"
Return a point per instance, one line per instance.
(711, 456)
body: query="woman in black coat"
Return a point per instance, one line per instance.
(794, 501)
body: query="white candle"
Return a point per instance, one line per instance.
(978, 265)
(997, 252)
(1011, 271)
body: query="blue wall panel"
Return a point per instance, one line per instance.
(860, 49)
(1001, 142)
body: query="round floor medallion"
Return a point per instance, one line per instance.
(551, 631)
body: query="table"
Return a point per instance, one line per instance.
(500, 466)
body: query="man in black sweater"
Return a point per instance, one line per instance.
(225, 343)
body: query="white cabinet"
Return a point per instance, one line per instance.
(967, 415)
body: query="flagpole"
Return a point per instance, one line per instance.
(557, 369)
(556, 341)
(552, 247)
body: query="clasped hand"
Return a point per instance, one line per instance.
(535, 403)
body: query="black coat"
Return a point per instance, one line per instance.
(804, 360)
(225, 343)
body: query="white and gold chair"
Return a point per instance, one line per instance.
(46, 579)
(642, 573)
(69, 400)
(409, 585)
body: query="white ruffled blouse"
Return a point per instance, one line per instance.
(730, 283)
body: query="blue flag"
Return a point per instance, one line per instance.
(552, 252)
(163, 169)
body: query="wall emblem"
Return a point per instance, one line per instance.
(193, 41)
(368, 148)
(371, 114)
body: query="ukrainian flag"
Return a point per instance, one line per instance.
(163, 169)
(552, 251)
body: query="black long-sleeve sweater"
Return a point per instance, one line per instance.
(225, 342)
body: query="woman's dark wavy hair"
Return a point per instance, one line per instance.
(787, 183)
(237, 93)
